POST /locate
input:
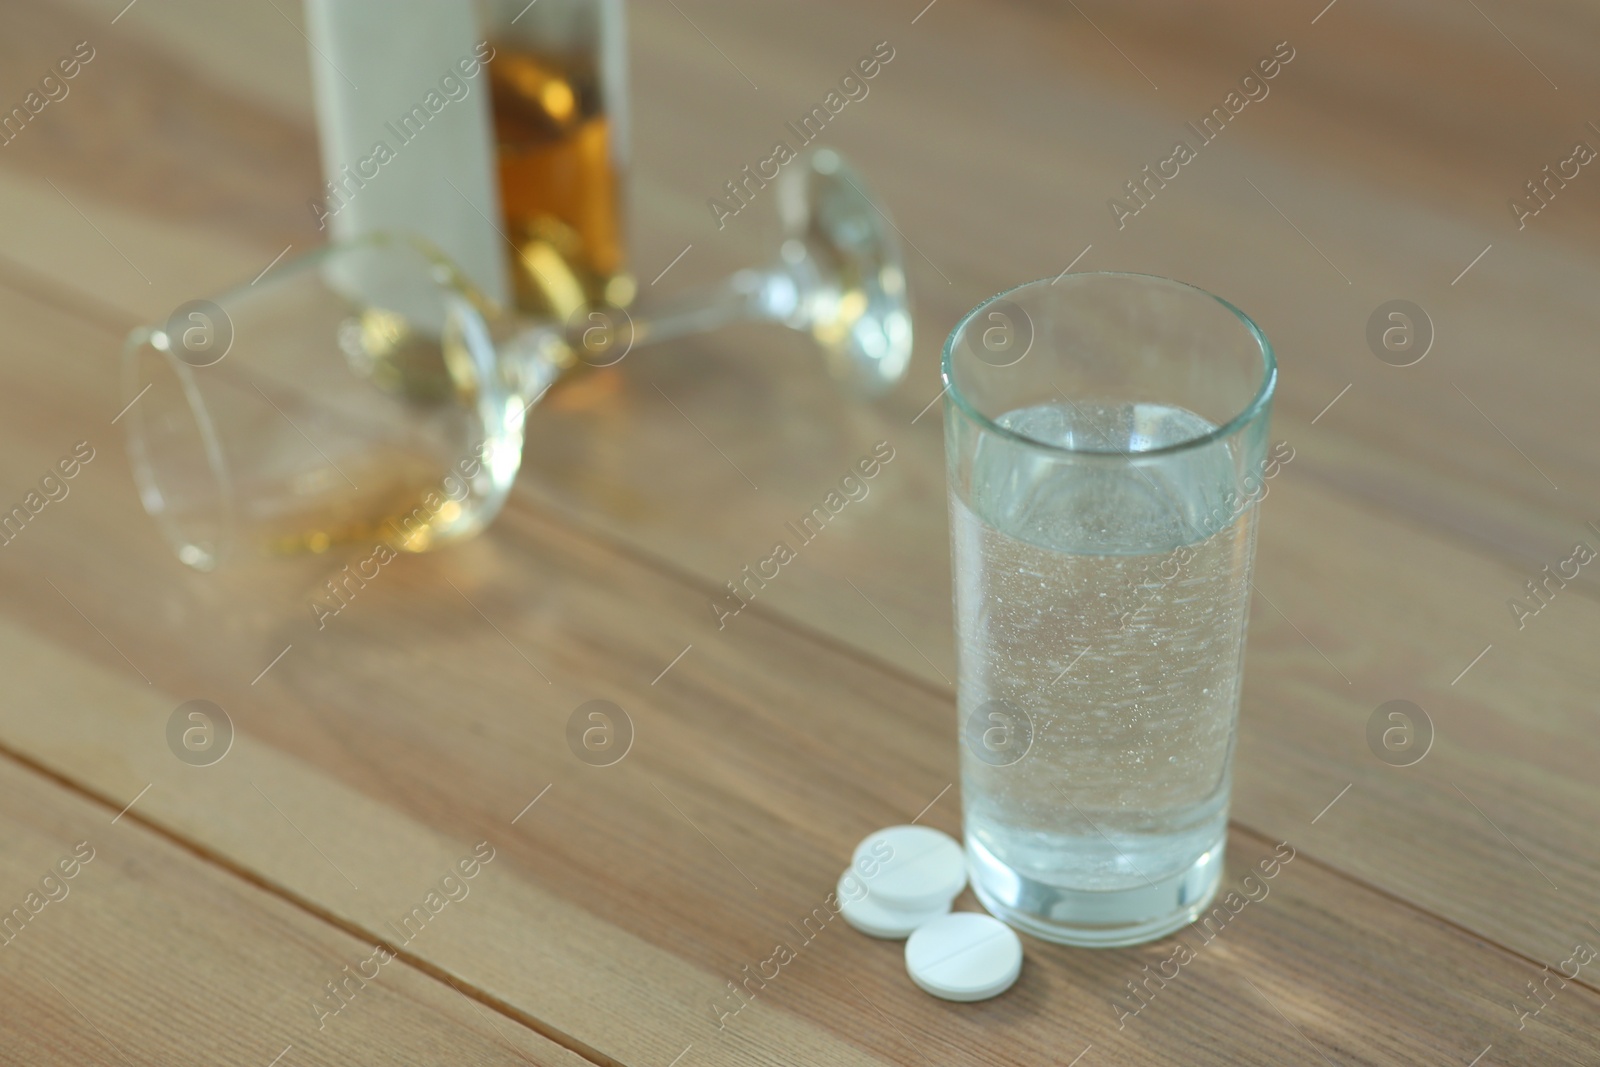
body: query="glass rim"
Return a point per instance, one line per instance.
(150, 484)
(1258, 403)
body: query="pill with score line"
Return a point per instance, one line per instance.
(924, 873)
(964, 956)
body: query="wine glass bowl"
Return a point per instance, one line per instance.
(360, 399)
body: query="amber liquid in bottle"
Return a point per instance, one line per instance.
(560, 186)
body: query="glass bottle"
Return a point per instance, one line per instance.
(558, 94)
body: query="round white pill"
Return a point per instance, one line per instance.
(964, 956)
(872, 917)
(911, 868)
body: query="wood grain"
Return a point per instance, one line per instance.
(1408, 440)
(1419, 501)
(409, 725)
(1523, 760)
(624, 899)
(149, 954)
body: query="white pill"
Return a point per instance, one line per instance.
(874, 918)
(911, 868)
(964, 956)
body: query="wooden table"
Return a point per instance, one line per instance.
(228, 910)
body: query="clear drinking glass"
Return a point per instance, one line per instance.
(1105, 437)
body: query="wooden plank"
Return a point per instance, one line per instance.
(1403, 196)
(1407, 440)
(1303, 735)
(252, 52)
(130, 949)
(624, 899)
(613, 457)
(409, 725)
(145, 185)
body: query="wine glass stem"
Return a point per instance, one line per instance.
(747, 294)
(539, 352)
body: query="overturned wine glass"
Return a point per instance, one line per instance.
(368, 392)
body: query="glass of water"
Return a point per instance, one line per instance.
(1105, 436)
